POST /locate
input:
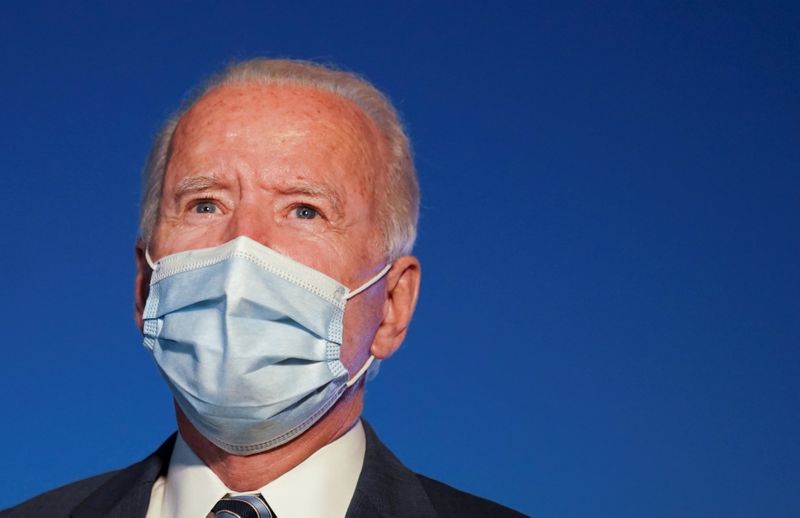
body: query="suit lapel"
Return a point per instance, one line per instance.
(127, 493)
(386, 488)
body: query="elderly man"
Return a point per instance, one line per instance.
(279, 209)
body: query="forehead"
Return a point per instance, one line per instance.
(282, 122)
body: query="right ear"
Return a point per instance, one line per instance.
(141, 287)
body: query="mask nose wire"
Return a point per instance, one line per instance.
(370, 282)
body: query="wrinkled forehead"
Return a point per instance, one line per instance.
(282, 121)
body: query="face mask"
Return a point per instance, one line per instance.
(249, 342)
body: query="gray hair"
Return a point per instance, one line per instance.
(399, 203)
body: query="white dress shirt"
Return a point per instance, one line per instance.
(320, 486)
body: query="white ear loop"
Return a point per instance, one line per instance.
(364, 368)
(369, 282)
(148, 259)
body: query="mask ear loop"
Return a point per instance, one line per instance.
(370, 282)
(147, 258)
(364, 368)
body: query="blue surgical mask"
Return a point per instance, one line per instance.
(249, 342)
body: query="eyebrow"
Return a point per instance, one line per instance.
(202, 183)
(312, 190)
(194, 184)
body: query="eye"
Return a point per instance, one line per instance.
(205, 207)
(305, 212)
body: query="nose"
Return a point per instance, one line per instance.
(254, 221)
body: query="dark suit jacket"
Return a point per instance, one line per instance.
(385, 488)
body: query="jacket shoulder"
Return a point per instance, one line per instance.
(449, 501)
(387, 488)
(124, 492)
(60, 501)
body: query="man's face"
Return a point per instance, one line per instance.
(292, 167)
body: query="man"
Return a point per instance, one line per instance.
(279, 209)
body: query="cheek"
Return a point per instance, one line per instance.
(315, 251)
(172, 239)
(362, 316)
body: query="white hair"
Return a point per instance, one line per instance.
(398, 203)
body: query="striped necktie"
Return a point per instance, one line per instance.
(242, 506)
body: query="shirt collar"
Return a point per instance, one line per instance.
(320, 486)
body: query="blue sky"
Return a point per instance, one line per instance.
(608, 323)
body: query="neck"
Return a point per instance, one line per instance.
(250, 473)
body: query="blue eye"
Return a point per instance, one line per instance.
(205, 207)
(305, 212)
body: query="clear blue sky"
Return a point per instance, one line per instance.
(608, 323)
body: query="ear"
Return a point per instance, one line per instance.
(141, 286)
(402, 288)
